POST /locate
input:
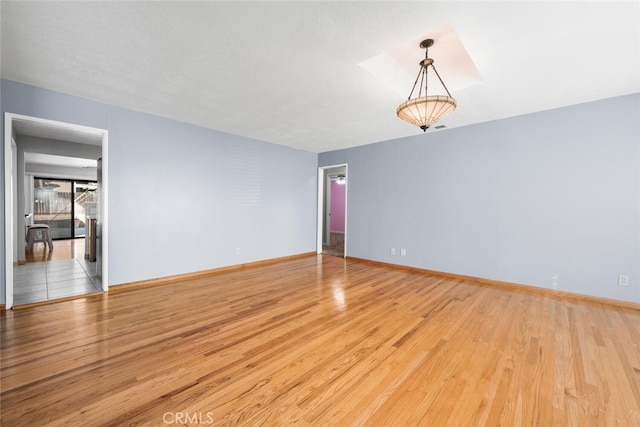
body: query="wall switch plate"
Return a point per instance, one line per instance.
(393, 251)
(623, 280)
(403, 252)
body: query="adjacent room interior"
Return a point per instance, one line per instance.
(67, 207)
(333, 210)
(56, 204)
(254, 213)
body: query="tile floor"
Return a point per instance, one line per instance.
(43, 281)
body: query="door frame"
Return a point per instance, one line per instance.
(323, 188)
(10, 200)
(326, 210)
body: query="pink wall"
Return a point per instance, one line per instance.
(337, 207)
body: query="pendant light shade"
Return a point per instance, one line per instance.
(424, 110)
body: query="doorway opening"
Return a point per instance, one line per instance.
(332, 210)
(36, 148)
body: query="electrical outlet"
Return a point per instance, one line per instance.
(238, 251)
(623, 280)
(403, 252)
(393, 251)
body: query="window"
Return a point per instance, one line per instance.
(61, 204)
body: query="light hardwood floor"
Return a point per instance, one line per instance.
(321, 341)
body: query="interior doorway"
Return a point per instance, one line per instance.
(332, 210)
(49, 139)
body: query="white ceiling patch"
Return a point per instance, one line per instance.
(396, 68)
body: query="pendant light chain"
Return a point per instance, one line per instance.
(426, 71)
(443, 85)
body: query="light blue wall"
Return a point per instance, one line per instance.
(550, 199)
(183, 198)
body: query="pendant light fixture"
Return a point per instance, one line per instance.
(424, 110)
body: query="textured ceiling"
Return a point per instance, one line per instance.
(288, 73)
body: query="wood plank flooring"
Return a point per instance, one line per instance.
(321, 341)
